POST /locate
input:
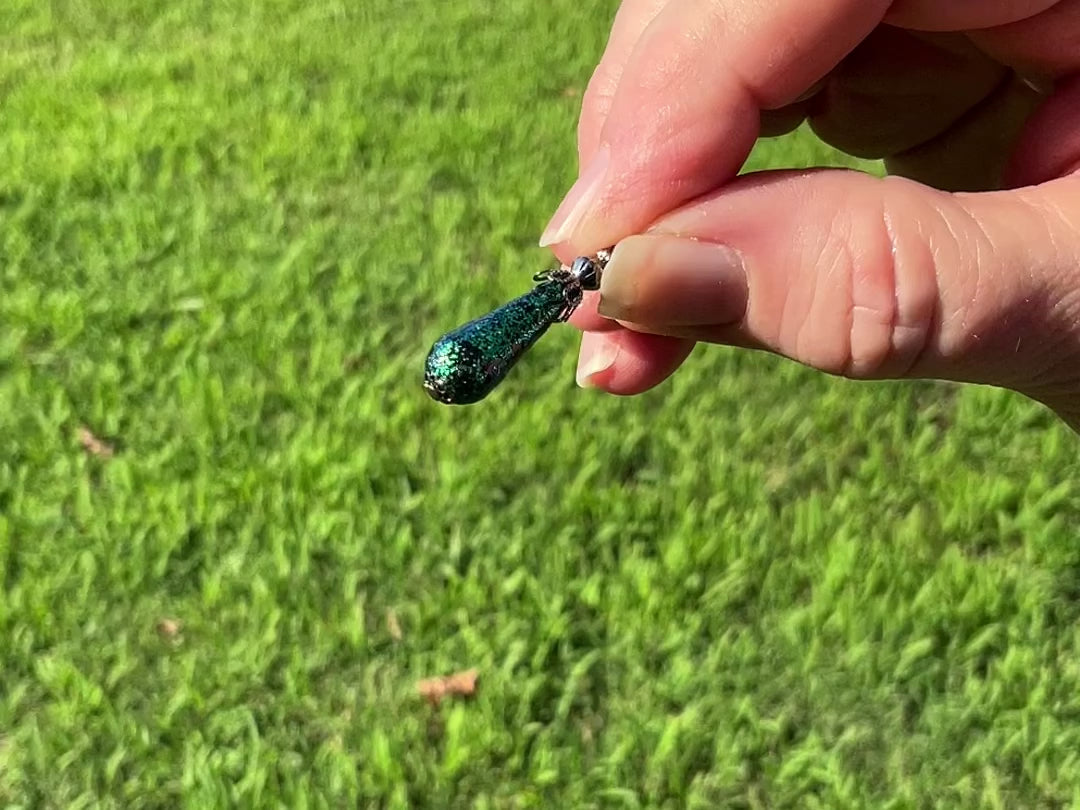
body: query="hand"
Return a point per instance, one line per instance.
(928, 274)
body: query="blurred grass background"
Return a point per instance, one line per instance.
(229, 233)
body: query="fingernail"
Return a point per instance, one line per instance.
(673, 281)
(577, 201)
(598, 354)
(810, 91)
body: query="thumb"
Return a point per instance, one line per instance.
(869, 277)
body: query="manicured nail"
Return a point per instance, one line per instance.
(673, 281)
(598, 354)
(578, 199)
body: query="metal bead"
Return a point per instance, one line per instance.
(587, 273)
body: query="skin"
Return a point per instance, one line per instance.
(963, 264)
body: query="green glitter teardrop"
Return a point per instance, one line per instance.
(466, 365)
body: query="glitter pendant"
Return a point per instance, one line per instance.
(466, 365)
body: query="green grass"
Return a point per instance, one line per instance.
(228, 234)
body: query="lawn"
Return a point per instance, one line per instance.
(229, 233)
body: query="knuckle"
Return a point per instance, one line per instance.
(874, 299)
(892, 338)
(599, 93)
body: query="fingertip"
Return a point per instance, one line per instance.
(626, 363)
(588, 319)
(597, 356)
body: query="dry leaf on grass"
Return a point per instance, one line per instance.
(93, 445)
(170, 629)
(460, 684)
(393, 626)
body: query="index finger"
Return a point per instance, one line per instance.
(684, 116)
(631, 20)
